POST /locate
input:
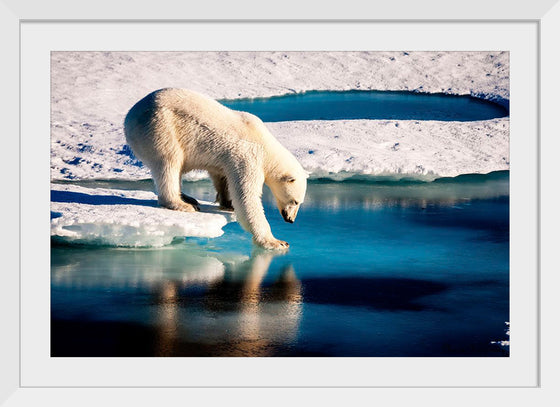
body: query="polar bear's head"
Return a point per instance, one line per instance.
(289, 191)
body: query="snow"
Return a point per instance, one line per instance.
(92, 92)
(113, 217)
(419, 149)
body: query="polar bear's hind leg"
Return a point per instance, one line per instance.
(222, 192)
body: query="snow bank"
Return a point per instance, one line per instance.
(92, 92)
(125, 218)
(340, 148)
(125, 77)
(420, 149)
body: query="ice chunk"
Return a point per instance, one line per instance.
(504, 343)
(126, 218)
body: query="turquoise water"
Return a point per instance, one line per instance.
(384, 105)
(374, 269)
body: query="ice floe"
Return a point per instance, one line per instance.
(126, 218)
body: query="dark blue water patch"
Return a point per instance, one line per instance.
(485, 214)
(380, 293)
(55, 215)
(373, 105)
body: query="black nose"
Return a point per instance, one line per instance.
(285, 216)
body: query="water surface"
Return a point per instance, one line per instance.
(374, 105)
(374, 269)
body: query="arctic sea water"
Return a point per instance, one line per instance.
(375, 268)
(373, 105)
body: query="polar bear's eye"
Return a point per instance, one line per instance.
(295, 202)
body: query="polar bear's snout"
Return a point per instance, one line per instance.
(290, 193)
(289, 213)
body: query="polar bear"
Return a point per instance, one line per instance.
(174, 131)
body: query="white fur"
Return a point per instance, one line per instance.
(174, 131)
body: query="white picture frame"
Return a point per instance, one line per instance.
(544, 14)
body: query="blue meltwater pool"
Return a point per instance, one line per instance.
(374, 269)
(374, 105)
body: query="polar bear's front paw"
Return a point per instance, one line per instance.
(191, 201)
(273, 244)
(181, 206)
(187, 208)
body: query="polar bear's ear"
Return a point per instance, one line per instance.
(288, 178)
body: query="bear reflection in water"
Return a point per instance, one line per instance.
(207, 307)
(237, 315)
